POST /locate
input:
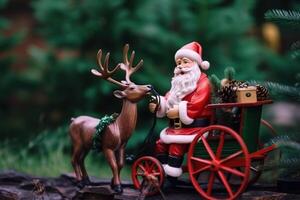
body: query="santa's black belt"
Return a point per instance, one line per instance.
(177, 124)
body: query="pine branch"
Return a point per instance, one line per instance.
(297, 84)
(295, 50)
(229, 73)
(288, 163)
(296, 45)
(216, 85)
(291, 141)
(215, 81)
(279, 91)
(287, 140)
(284, 17)
(295, 54)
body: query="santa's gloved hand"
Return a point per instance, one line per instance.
(152, 107)
(152, 104)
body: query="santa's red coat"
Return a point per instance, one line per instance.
(192, 106)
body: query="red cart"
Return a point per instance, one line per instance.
(219, 158)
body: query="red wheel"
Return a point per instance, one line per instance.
(213, 155)
(147, 171)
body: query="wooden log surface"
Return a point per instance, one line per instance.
(14, 185)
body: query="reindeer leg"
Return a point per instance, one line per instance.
(85, 177)
(120, 159)
(111, 158)
(75, 163)
(77, 148)
(120, 162)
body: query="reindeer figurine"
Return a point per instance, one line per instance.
(115, 135)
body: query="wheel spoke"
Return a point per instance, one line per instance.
(201, 169)
(210, 182)
(208, 148)
(140, 174)
(155, 174)
(220, 146)
(146, 165)
(151, 166)
(142, 167)
(225, 183)
(201, 160)
(232, 171)
(232, 156)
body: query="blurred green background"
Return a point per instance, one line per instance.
(48, 48)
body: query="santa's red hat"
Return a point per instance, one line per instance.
(192, 51)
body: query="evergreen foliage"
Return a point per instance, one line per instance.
(288, 18)
(280, 91)
(215, 82)
(10, 81)
(229, 73)
(289, 144)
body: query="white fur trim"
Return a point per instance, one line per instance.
(183, 116)
(178, 139)
(189, 54)
(163, 107)
(173, 171)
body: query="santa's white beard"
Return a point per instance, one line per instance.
(183, 84)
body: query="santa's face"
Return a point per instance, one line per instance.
(184, 62)
(186, 76)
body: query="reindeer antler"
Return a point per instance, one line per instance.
(105, 73)
(127, 65)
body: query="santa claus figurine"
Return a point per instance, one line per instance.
(185, 106)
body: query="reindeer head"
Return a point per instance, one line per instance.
(130, 90)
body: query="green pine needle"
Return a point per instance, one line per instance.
(215, 81)
(287, 140)
(280, 91)
(295, 50)
(229, 73)
(282, 142)
(284, 17)
(295, 54)
(288, 163)
(296, 45)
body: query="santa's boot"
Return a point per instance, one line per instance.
(162, 158)
(173, 171)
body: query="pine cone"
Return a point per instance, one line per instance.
(262, 93)
(228, 93)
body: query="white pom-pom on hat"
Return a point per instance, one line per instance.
(205, 65)
(192, 51)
